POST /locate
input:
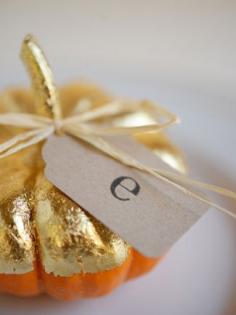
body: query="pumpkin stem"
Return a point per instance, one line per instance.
(45, 92)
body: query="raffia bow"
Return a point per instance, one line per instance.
(90, 126)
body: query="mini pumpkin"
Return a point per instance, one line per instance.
(48, 243)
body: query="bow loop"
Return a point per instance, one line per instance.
(92, 125)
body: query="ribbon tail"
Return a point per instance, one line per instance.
(185, 180)
(120, 156)
(39, 136)
(18, 138)
(23, 120)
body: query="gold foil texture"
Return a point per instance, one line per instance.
(17, 250)
(42, 78)
(71, 241)
(37, 220)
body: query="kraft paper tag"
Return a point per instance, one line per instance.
(148, 213)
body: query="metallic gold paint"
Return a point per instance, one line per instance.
(17, 246)
(46, 240)
(41, 75)
(70, 240)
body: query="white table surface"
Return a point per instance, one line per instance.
(182, 54)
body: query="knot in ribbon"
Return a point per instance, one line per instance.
(92, 125)
(86, 124)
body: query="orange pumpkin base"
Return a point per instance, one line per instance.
(78, 286)
(84, 285)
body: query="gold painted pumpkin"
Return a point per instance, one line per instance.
(48, 243)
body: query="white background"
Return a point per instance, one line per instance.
(182, 53)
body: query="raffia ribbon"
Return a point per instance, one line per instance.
(92, 125)
(89, 126)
